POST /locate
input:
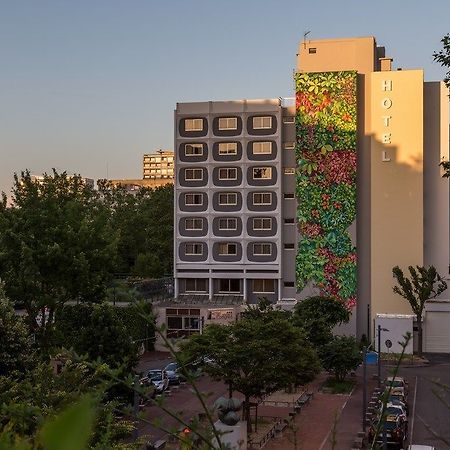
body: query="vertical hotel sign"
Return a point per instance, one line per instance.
(326, 107)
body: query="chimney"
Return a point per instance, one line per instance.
(386, 64)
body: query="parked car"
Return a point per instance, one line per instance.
(396, 430)
(159, 379)
(394, 409)
(173, 370)
(421, 447)
(397, 383)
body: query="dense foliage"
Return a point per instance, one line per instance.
(443, 57)
(326, 182)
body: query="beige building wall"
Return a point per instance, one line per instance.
(396, 182)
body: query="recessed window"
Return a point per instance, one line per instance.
(194, 248)
(262, 248)
(263, 286)
(289, 246)
(289, 145)
(262, 198)
(289, 171)
(262, 122)
(262, 173)
(289, 119)
(193, 174)
(228, 223)
(289, 220)
(289, 196)
(289, 284)
(227, 248)
(262, 223)
(228, 148)
(193, 199)
(228, 123)
(194, 223)
(262, 148)
(312, 50)
(228, 173)
(229, 285)
(193, 149)
(193, 124)
(196, 285)
(227, 198)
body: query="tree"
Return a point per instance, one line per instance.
(340, 356)
(56, 245)
(424, 284)
(443, 57)
(254, 356)
(15, 347)
(317, 316)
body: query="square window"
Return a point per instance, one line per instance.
(262, 148)
(228, 198)
(262, 223)
(264, 286)
(194, 223)
(227, 173)
(262, 198)
(228, 123)
(262, 248)
(228, 223)
(194, 248)
(193, 149)
(193, 174)
(196, 285)
(227, 248)
(193, 199)
(193, 124)
(262, 173)
(229, 285)
(262, 122)
(227, 148)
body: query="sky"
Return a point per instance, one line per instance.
(89, 86)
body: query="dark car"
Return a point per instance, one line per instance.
(394, 426)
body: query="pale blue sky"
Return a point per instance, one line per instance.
(91, 84)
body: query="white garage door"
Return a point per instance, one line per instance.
(437, 332)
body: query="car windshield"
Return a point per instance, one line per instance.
(172, 367)
(393, 410)
(155, 375)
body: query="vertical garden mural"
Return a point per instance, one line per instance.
(326, 182)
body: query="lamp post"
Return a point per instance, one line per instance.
(379, 353)
(364, 388)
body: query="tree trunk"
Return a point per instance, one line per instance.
(247, 414)
(230, 389)
(419, 335)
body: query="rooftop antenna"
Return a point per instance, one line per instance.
(304, 38)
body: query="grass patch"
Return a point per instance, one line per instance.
(334, 386)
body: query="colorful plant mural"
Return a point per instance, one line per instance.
(326, 182)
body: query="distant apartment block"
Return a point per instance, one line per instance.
(158, 166)
(40, 180)
(132, 186)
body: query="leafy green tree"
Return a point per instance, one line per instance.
(317, 316)
(340, 356)
(443, 57)
(56, 245)
(15, 342)
(424, 284)
(254, 356)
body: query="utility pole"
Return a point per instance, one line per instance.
(364, 389)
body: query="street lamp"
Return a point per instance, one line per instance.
(379, 353)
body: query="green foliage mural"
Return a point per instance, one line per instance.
(326, 182)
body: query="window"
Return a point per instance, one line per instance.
(228, 148)
(262, 223)
(194, 248)
(262, 122)
(196, 285)
(228, 223)
(262, 148)
(228, 285)
(263, 286)
(289, 220)
(228, 123)
(193, 124)
(262, 173)
(289, 171)
(227, 248)
(227, 173)
(194, 223)
(228, 198)
(182, 322)
(312, 50)
(289, 196)
(193, 199)
(289, 145)
(193, 174)
(193, 149)
(289, 119)
(262, 198)
(289, 246)
(262, 248)
(289, 284)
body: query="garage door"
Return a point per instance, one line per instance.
(437, 332)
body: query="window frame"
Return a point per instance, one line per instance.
(194, 244)
(193, 219)
(289, 171)
(193, 121)
(262, 194)
(227, 169)
(194, 170)
(262, 169)
(229, 291)
(227, 152)
(262, 219)
(228, 245)
(194, 195)
(262, 126)
(227, 194)
(227, 127)
(227, 219)
(264, 289)
(263, 245)
(193, 145)
(196, 290)
(261, 152)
